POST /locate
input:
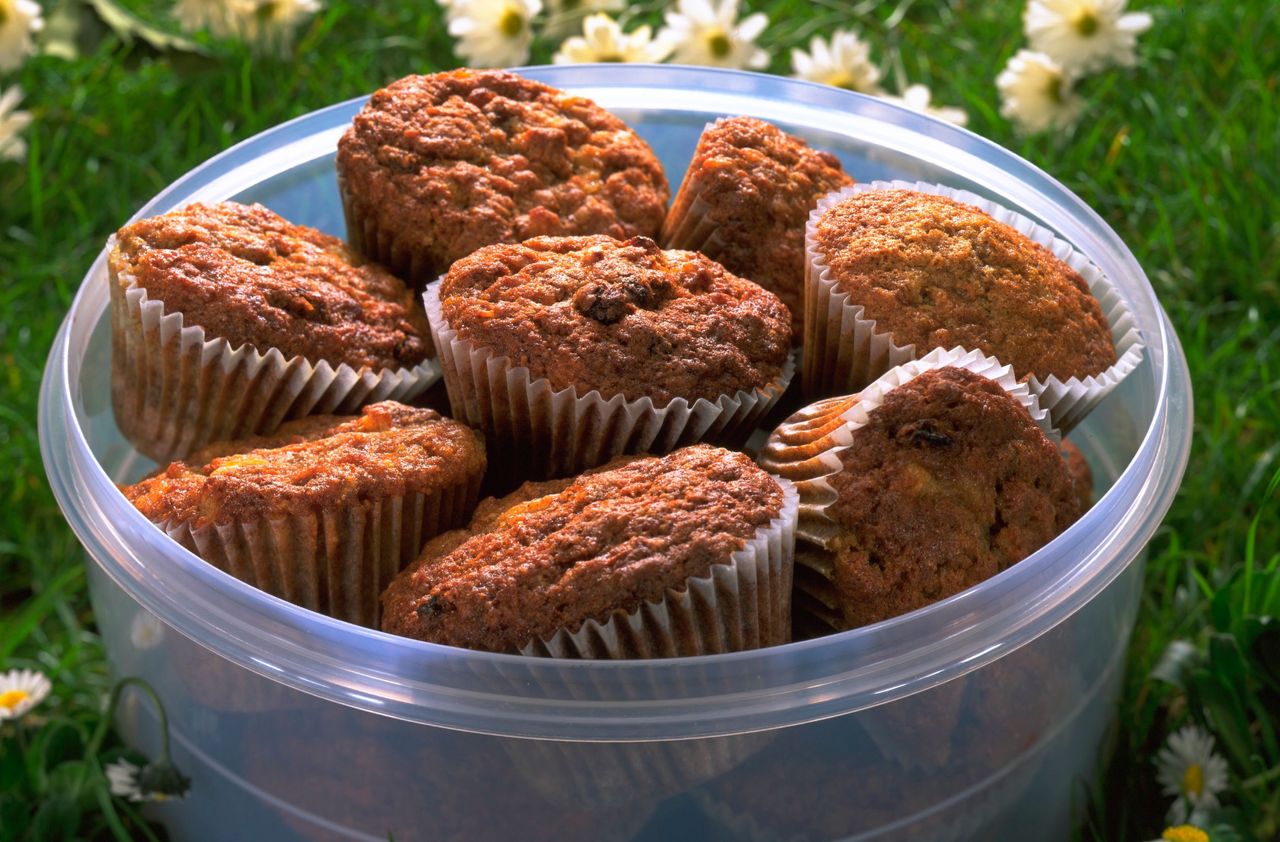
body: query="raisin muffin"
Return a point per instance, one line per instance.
(274, 320)
(434, 167)
(303, 514)
(1080, 472)
(568, 351)
(920, 487)
(617, 563)
(745, 200)
(914, 271)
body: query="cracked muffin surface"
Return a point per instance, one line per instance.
(555, 554)
(623, 317)
(756, 185)
(313, 464)
(937, 273)
(948, 483)
(434, 167)
(249, 276)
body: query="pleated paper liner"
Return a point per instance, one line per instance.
(174, 390)
(845, 351)
(335, 561)
(546, 433)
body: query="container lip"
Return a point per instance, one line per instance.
(591, 700)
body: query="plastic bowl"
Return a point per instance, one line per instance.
(977, 716)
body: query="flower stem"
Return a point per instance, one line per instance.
(101, 733)
(1261, 778)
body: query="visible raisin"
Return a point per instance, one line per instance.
(923, 433)
(432, 608)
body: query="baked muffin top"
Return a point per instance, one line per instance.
(247, 275)
(938, 273)
(454, 161)
(622, 317)
(556, 554)
(948, 483)
(758, 184)
(320, 462)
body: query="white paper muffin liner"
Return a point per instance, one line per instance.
(559, 433)
(175, 390)
(335, 561)
(844, 351)
(742, 604)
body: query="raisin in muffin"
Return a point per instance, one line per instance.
(745, 200)
(569, 557)
(434, 167)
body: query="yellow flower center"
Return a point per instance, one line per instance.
(1053, 89)
(719, 44)
(611, 57)
(267, 12)
(1184, 833)
(512, 23)
(1086, 22)
(840, 79)
(1193, 781)
(10, 699)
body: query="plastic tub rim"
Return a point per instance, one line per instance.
(126, 545)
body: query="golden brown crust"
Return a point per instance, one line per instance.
(948, 483)
(609, 540)
(318, 463)
(444, 164)
(938, 273)
(622, 317)
(247, 275)
(1080, 472)
(758, 185)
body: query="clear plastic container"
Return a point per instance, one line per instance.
(979, 716)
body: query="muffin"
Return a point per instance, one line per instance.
(928, 482)
(325, 511)
(896, 272)
(568, 351)
(227, 320)
(745, 200)
(684, 554)
(1080, 472)
(434, 167)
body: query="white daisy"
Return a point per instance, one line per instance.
(145, 631)
(1183, 833)
(842, 62)
(12, 122)
(602, 39)
(1189, 770)
(493, 33)
(270, 24)
(1036, 93)
(916, 97)
(19, 19)
(708, 32)
(1085, 35)
(220, 18)
(20, 691)
(153, 782)
(564, 17)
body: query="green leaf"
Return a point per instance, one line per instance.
(1264, 649)
(1227, 662)
(15, 812)
(1226, 717)
(56, 819)
(129, 27)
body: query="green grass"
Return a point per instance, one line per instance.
(1181, 155)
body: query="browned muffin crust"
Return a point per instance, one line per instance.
(622, 317)
(938, 273)
(1080, 472)
(447, 163)
(317, 463)
(759, 185)
(949, 483)
(249, 276)
(606, 541)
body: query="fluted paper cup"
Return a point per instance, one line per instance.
(551, 433)
(175, 390)
(844, 351)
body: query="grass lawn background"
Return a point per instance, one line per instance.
(1181, 155)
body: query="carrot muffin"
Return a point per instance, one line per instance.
(248, 278)
(1080, 472)
(303, 513)
(434, 167)
(563, 556)
(948, 482)
(933, 272)
(745, 200)
(616, 322)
